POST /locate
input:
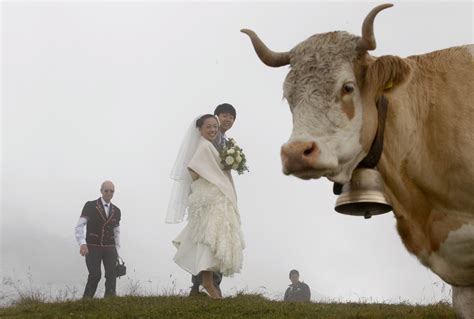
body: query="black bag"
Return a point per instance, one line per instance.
(120, 269)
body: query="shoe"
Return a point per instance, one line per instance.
(195, 292)
(218, 290)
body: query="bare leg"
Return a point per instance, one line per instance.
(463, 302)
(208, 284)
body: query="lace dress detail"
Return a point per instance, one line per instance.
(212, 240)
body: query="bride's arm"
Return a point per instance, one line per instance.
(194, 175)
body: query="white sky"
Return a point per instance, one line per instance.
(104, 90)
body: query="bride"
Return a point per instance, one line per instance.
(212, 240)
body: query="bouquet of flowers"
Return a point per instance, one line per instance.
(232, 157)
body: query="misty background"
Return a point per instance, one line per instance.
(105, 90)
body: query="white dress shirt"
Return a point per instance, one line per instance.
(106, 207)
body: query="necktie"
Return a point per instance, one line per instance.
(107, 210)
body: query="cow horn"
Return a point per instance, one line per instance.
(270, 58)
(367, 41)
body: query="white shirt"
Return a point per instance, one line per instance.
(79, 230)
(106, 207)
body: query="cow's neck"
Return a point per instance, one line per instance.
(427, 159)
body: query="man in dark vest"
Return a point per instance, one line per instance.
(102, 240)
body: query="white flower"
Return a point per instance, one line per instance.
(230, 151)
(229, 160)
(238, 159)
(235, 166)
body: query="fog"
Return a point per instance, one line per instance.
(104, 90)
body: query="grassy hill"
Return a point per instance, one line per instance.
(241, 306)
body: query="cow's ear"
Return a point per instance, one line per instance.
(387, 73)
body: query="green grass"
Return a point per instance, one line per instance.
(241, 306)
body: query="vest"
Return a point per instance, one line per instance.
(100, 229)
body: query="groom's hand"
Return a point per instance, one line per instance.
(83, 250)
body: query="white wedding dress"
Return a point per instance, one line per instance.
(212, 240)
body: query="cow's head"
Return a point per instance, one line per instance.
(332, 89)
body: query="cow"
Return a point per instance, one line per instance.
(427, 162)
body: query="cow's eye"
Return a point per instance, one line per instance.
(347, 88)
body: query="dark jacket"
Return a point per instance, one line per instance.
(100, 229)
(298, 292)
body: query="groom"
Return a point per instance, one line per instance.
(226, 115)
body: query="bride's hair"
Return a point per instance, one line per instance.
(200, 121)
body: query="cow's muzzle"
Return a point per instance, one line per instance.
(303, 159)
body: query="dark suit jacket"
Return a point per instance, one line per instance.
(298, 292)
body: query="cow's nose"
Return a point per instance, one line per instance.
(298, 156)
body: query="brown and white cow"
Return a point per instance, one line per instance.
(428, 158)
